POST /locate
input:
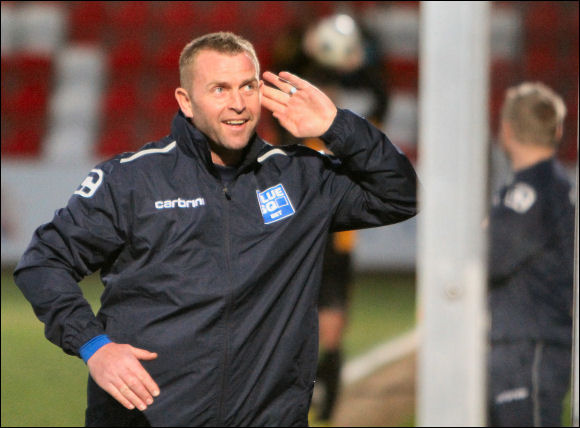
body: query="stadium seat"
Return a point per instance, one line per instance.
(569, 149)
(403, 73)
(540, 64)
(69, 143)
(164, 63)
(506, 33)
(30, 101)
(178, 22)
(264, 49)
(272, 16)
(8, 27)
(320, 8)
(397, 29)
(363, 5)
(120, 103)
(159, 113)
(541, 19)
(79, 64)
(128, 19)
(504, 72)
(31, 67)
(157, 129)
(21, 138)
(74, 103)
(162, 100)
(87, 21)
(126, 60)
(117, 139)
(401, 123)
(40, 27)
(224, 16)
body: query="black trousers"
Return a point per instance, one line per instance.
(528, 381)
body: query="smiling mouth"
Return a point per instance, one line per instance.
(239, 122)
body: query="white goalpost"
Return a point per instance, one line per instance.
(453, 168)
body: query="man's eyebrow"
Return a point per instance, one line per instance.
(251, 80)
(227, 84)
(218, 83)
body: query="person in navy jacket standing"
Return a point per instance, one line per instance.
(209, 243)
(531, 266)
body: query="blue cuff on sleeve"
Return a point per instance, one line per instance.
(93, 345)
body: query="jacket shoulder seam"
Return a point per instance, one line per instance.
(147, 152)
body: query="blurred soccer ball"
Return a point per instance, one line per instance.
(335, 42)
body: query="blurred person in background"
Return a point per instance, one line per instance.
(210, 243)
(531, 265)
(343, 59)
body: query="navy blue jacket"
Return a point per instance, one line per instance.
(221, 281)
(531, 264)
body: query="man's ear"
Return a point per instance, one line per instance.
(505, 134)
(559, 132)
(184, 101)
(506, 131)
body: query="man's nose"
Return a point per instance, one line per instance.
(237, 102)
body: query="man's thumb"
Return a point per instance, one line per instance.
(143, 354)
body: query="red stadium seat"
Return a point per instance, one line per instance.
(403, 73)
(164, 63)
(322, 8)
(159, 112)
(121, 103)
(87, 21)
(224, 16)
(128, 19)
(361, 6)
(176, 22)
(29, 101)
(117, 139)
(569, 147)
(504, 72)
(540, 64)
(26, 81)
(162, 101)
(157, 129)
(542, 18)
(27, 67)
(126, 60)
(22, 141)
(273, 17)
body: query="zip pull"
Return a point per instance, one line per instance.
(227, 193)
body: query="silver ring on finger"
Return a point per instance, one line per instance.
(292, 91)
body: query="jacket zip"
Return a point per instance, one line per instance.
(227, 246)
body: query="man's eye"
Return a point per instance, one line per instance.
(250, 87)
(218, 90)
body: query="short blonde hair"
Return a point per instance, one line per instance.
(535, 112)
(223, 42)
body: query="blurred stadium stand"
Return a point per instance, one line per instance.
(96, 78)
(83, 81)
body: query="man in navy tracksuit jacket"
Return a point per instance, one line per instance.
(531, 266)
(210, 245)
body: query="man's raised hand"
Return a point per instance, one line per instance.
(300, 107)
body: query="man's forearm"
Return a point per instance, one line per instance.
(58, 302)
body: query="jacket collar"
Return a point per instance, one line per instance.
(195, 144)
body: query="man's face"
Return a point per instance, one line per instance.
(224, 99)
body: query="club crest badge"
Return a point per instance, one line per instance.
(274, 204)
